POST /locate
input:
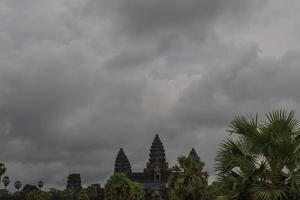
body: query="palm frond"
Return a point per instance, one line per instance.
(243, 126)
(266, 192)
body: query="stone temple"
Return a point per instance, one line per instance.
(155, 175)
(153, 178)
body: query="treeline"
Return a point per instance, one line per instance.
(261, 160)
(32, 192)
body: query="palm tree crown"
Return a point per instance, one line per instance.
(188, 181)
(264, 161)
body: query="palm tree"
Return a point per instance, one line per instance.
(188, 180)
(2, 170)
(5, 181)
(40, 184)
(119, 187)
(18, 185)
(137, 192)
(89, 191)
(264, 161)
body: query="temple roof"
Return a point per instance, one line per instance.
(122, 164)
(157, 154)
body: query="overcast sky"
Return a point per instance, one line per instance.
(81, 78)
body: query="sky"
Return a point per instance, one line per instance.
(80, 79)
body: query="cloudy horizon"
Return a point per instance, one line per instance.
(80, 78)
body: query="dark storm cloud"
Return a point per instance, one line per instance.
(251, 82)
(151, 17)
(79, 79)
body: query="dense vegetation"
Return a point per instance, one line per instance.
(260, 161)
(119, 187)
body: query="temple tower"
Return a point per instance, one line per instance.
(193, 153)
(157, 167)
(122, 164)
(74, 182)
(157, 156)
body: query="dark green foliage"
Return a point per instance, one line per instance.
(28, 188)
(56, 194)
(39, 195)
(119, 187)
(188, 181)
(263, 163)
(90, 192)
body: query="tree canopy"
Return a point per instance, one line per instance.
(188, 181)
(119, 187)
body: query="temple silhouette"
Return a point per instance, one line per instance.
(155, 175)
(153, 178)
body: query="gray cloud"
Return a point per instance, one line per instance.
(79, 79)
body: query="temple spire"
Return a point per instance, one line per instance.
(193, 153)
(122, 164)
(157, 155)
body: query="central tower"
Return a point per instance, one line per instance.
(157, 156)
(157, 168)
(155, 175)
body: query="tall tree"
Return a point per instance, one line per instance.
(2, 170)
(6, 181)
(188, 180)
(263, 162)
(18, 185)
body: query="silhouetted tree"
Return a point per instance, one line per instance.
(28, 188)
(40, 184)
(18, 185)
(5, 181)
(2, 170)
(39, 195)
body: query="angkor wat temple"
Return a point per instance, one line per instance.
(153, 178)
(155, 175)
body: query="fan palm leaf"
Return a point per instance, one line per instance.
(264, 161)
